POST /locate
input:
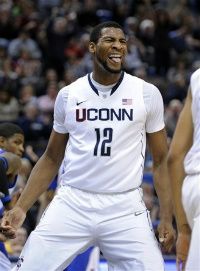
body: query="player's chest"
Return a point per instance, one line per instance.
(98, 111)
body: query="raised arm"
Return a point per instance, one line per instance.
(158, 147)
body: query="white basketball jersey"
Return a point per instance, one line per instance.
(107, 134)
(192, 159)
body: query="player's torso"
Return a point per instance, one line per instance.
(107, 132)
(192, 159)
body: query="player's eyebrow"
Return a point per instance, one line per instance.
(113, 38)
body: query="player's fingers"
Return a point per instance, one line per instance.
(180, 264)
(167, 242)
(8, 231)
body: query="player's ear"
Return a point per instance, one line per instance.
(2, 141)
(92, 47)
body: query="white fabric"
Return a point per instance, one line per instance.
(5, 264)
(124, 137)
(191, 163)
(94, 259)
(193, 262)
(191, 200)
(75, 220)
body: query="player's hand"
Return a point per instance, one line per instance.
(166, 235)
(11, 221)
(182, 248)
(6, 233)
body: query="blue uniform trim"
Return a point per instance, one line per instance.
(6, 199)
(5, 162)
(2, 249)
(12, 184)
(80, 262)
(53, 184)
(113, 89)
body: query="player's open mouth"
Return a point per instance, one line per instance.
(115, 58)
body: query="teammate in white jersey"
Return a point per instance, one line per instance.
(103, 118)
(184, 168)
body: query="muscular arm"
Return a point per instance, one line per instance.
(158, 147)
(44, 171)
(181, 142)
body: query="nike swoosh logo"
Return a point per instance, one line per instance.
(81, 102)
(139, 213)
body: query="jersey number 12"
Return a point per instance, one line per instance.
(103, 140)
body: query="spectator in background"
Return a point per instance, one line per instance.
(162, 44)
(58, 33)
(23, 42)
(135, 54)
(9, 105)
(177, 89)
(171, 115)
(27, 96)
(46, 102)
(34, 126)
(50, 76)
(3, 51)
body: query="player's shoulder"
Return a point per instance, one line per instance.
(72, 89)
(131, 78)
(148, 85)
(195, 82)
(78, 83)
(148, 88)
(195, 75)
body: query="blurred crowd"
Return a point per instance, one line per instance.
(44, 46)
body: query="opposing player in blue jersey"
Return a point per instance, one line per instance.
(184, 168)
(11, 149)
(104, 118)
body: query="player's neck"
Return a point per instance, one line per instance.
(106, 78)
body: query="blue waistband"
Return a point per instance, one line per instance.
(2, 249)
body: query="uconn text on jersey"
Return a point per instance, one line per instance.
(103, 114)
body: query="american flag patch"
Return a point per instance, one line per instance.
(127, 101)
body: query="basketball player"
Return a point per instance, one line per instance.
(11, 149)
(104, 117)
(184, 168)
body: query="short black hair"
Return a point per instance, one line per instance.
(8, 129)
(96, 32)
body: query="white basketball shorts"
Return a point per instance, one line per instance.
(191, 204)
(118, 224)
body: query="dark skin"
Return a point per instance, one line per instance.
(178, 149)
(14, 147)
(108, 57)
(107, 68)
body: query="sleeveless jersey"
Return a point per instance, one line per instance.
(192, 159)
(107, 134)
